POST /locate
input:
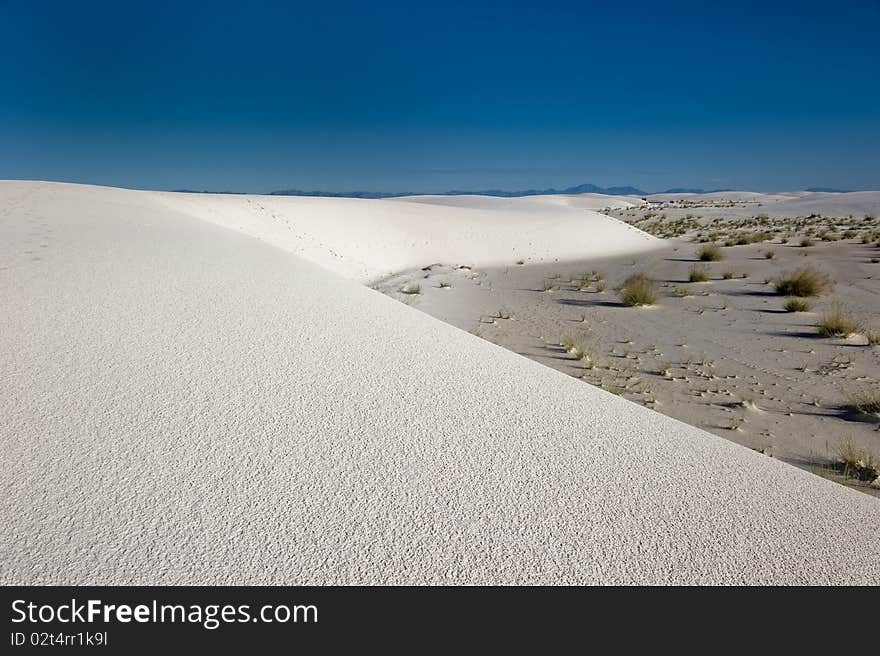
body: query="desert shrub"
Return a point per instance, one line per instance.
(770, 255)
(806, 242)
(638, 289)
(858, 464)
(727, 275)
(796, 305)
(837, 323)
(698, 274)
(710, 253)
(866, 402)
(805, 281)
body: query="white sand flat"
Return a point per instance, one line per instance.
(184, 403)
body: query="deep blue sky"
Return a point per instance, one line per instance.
(256, 96)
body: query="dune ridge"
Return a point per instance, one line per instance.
(191, 399)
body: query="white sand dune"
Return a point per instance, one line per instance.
(370, 239)
(790, 204)
(184, 403)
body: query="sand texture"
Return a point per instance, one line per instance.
(190, 400)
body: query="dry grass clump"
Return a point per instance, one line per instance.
(710, 253)
(698, 274)
(866, 402)
(859, 464)
(770, 255)
(796, 305)
(805, 281)
(837, 323)
(873, 337)
(806, 242)
(638, 289)
(727, 275)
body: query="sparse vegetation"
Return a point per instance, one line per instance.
(859, 464)
(698, 273)
(806, 242)
(682, 292)
(770, 255)
(866, 402)
(710, 253)
(795, 304)
(727, 275)
(805, 281)
(637, 290)
(837, 323)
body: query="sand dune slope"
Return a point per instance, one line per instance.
(186, 404)
(369, 239)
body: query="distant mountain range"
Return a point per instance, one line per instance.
(579, 189)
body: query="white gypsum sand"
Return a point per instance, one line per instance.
(187, 404)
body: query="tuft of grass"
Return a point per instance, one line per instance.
(806, 242)
(445, 285)
(770, 255)
(858, 464)
(637, 290)
(549, 287)
(682, 292)
(600, 287)
(727, 275)
(698, 274)
(865, 402)
(795, 304)
(805, 281)
(710, 253)
(837, 323)
(873, 337)
(411, 290)
(663, 369)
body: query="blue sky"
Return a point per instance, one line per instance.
(256, 96)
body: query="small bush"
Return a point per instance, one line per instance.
(806, 242)
(770, 255)
(727, 275)
(805, 281)
(859, 464)
(873, 337)
(681, 291)
(836, 323)
(698, 274)
(866, 402)
(797, 305)
(411, 289)
(638, 289)
(710, 253)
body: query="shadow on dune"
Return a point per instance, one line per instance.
(589, 303)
